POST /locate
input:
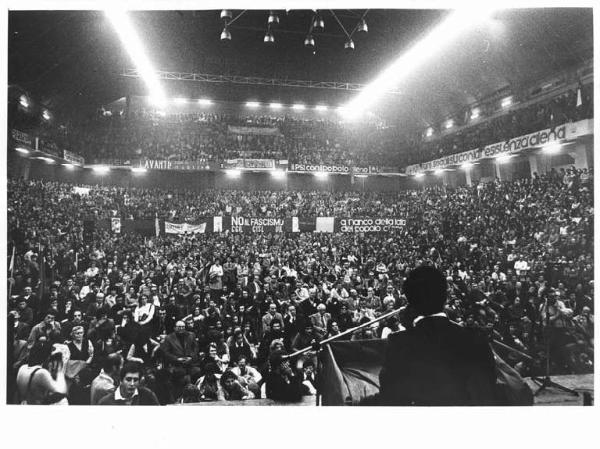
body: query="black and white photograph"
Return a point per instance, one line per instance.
(387, 208)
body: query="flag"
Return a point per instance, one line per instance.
(12, 262)
(349, 375)
(217, 224)
(42, 276)
(115, 225)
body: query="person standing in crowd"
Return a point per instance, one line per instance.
(435, 362)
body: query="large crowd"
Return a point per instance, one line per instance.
(212, 316)
(556, 111)
(209, 137)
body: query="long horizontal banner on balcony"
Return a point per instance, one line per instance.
(340, 169)
(515, 145)
(253, 225)
(167, 164)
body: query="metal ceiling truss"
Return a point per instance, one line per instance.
(251, 80)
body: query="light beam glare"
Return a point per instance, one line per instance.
(440, 38)
(129, 38)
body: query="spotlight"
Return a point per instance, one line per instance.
(22, 150)
(309, 41)
(503, 159)
(321, 107)
(278, 174)
(233, 173)
(322, 175)
(449, 124)
(226, 14)
(69, 166)
(475, 114)
(318, 23)
(252, 104)
(419, 175)
(362, 26)
(180, 100)
(506, 102)
(298, 107)
(23, 101)
(429, 132)
(466, 166)
(225, 35)
(439, 172)
(349, 45)
(552, 148)
(204, 101)
(138, 170)
(269, 38)
(273, 19)
(275, 105)
(46, 115)
(101, 169)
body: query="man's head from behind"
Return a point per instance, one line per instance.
(425, 289)
(112, 364)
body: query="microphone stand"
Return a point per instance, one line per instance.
(546, 381)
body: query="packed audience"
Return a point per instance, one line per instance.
(536, 117)
(207, 137)
(132, 319)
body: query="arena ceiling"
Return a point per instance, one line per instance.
(73, 59)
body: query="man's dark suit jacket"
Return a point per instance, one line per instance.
(173, 350)
(437, 363)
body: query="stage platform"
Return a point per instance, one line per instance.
(582, 383)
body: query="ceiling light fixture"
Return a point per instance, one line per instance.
(309, 41)
(225, 34)
(349, 45)
(269, 37)
(318, 23)
(362, 26)
(273, 19)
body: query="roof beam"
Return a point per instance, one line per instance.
(251, 80)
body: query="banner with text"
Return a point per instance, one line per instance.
(153, 164)
(379, 224)
(73, 158)
(510, 146)
(184, 228)
(21, 137)
(244, 225)
(261, 164)
(341, 169)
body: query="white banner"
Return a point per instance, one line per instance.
(81, 190)
(184, 228)
(511, 146)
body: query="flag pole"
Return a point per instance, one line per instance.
(12, 271)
